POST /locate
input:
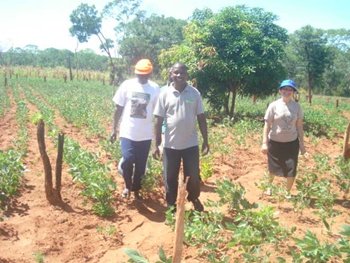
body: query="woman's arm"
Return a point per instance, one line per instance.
(267, 128)
(300, 130)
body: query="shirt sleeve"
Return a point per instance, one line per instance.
(156, 98)
(300, 113)
(269, 114)
(159, 109)
(200, 107)
(120, 95)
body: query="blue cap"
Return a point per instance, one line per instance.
(289, 83)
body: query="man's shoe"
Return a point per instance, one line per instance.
(137, 195)
(126, 193)
(198, 205)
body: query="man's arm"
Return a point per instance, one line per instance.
(116, 117)
(158, 134)
(202, 123)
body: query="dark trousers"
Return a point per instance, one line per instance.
(134, 162)
(171, 162)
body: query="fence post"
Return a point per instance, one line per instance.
(346, 150)
(180, 221)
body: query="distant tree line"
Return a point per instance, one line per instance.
(30, 55)
(237, 50)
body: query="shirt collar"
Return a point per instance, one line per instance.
(175, 90)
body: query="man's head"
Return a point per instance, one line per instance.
(179, 74)
(143, 70)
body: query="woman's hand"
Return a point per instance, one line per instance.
(264, 148)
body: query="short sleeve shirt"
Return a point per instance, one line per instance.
(283, 117)
(138, 101)
(180, 110)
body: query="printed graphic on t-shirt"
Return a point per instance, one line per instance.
(139, 102)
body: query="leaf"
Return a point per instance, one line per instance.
(326, 224)
(135, 256)
(346, 230)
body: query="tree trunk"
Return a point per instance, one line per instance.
(180, 221)
(233, 99)
(226, 103)
(46, 161)
(70, 69)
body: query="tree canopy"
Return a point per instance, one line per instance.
(147, 36)
(237, 50)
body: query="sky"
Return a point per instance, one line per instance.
(45, 23)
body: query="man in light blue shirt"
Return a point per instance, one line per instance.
(180, 105)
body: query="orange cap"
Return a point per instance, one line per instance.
(143, 67)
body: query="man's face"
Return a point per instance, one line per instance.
(143, 78)
(179, 75)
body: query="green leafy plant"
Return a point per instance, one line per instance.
(233, 195)
(39, 257)
(11, 171)
(206, 167)
(342, 173)
(107, 231)
(137, 257)
(314, 251)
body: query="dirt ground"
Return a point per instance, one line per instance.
(72, 233)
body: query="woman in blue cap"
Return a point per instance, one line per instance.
(283, 135)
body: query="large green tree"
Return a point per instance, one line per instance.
(337, 75)
(147, 36)
(313, 55)
(237, 50)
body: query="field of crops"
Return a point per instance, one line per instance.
(94, 223)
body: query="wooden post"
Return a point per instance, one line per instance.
(46, 161)
(59, 166)
(346, 150)
(337, 103)
(180, 221)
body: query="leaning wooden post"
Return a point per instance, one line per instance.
(180, 221)
(346, 150)
(46, 160)
(59, 166)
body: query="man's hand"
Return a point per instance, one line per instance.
(156, 154)
(113, 137)
(205, 149)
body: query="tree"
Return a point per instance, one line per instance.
(313, 54)
(87, 22)
(237, 50)
(337, 75)
(147, 36)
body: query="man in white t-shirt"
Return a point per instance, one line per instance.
(135, 101)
